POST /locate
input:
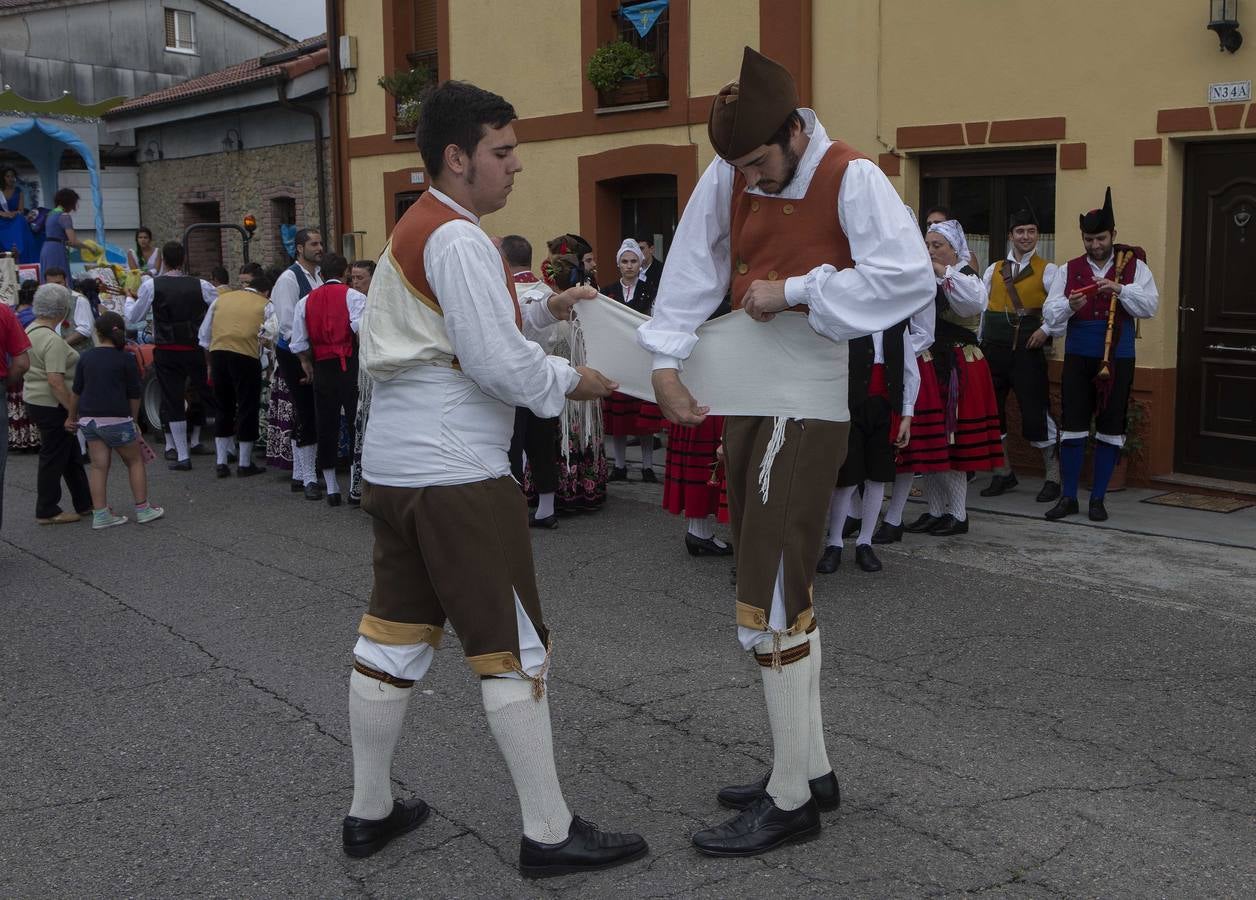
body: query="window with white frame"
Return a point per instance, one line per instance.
(180, 31)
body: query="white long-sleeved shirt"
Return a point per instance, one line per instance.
(966, 293)
(1141, 298)
(300, 340)
(205, 336)
(888, 283)
(435, 425)
(284, 296)
(135, 312)
(83, 319)
(911, 375)
(1048, 275)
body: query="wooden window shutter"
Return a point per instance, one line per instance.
(425, 31)
(170, 36)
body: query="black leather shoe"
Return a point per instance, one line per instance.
(851, 527)
(1066, 507)
(618, 474)
(355, 501)
(296, 486)
(949, 525)
(1050, 491)
(199, 450)
(171, 455)
(1000, 484)
(760, 827)
(362, 837)
(333, 499)
(923, 524)
(1098, 512)
(223, 471)
(867, 560)
(182, 465)
(550, 521)
(249, 470)
(706, 547)
(648, 476)
(830, 559)
(586, 849)
(824, 791)
(887, 534)
(313, 491)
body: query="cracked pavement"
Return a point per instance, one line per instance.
(1003, 721)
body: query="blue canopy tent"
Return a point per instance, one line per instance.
(42, 142)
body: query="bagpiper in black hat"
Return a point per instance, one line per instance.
(1098, 221)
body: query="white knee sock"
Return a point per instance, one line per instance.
(788, 694)
(196, 435)
(329, 478)
(898, 499)
(179, 431)
(169, 440)
(1051, 463)
(935, 492)
(818, 755)
(839, 511)
(647, 451)
(873, 494)
(521, 725)
(297, 474)
(223, 447)
(308, 469)
(957, 495)
(700, 528)
(619, 450)
(246, 453)
(545, 505)
(376, 713)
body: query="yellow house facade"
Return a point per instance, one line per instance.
(972, 105)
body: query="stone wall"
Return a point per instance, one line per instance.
(173, 194)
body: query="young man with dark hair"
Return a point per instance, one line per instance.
(442, 339)
(517, 252)
(179, 303)
(651, 267)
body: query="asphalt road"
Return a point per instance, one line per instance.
(1032, 710)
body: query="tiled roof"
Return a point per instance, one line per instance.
(312, 53)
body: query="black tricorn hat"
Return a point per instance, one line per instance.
(747, 112)
(1023, 216)
(1099, 220)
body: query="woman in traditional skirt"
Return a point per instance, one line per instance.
(279, 426)
(963, 382)
(692, 486)
(624, 416)
(23, 433)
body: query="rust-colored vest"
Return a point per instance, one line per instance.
(773, 238)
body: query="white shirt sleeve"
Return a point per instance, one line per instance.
(464, 269)
(209, 293)
(1055, 309)
(1048, 278)
(1141, 298)
(911, 376)
(698, 270)
(965, 293)
(892, 276)
(205, 336)
(920, 327)
(988, 278)
(83, 316)
(300, 339)
(356, 301)
(283, 296)
(137, 311)
(537, 317)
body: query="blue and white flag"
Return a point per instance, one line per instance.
(643, 15)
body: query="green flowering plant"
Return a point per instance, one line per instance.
(618, 62)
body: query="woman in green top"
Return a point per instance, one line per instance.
(47, 394)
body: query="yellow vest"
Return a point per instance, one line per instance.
(238, 318)
(1028, 287)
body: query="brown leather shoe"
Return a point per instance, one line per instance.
(61, 518)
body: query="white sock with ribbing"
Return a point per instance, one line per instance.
(376, 713)
(898, 498)
(818, 755)
(297, 474)
(935, 492)
(957, 495)
(329, 478)
(309, 471)
(788, 693)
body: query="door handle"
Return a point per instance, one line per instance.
(1232, 349)
(1186, 309)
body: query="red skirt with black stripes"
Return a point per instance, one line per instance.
(687, 490)
(620, 415)
(977, 444)
(927, 451)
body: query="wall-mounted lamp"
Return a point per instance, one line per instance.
(153, 150)
(1224, 19)
(232, 141)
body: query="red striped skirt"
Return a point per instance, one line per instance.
(687, 489)
(620, 413)
(977, 444)
(927, 450)
(650, 419)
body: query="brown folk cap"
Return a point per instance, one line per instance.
(747, 112)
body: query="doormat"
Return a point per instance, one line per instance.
(1201, 501)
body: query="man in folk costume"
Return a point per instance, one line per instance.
(1013, 338)
(1097, 296)
(786, 220)
(442, 338)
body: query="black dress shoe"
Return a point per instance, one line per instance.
(1098, 512)
(949, 525)
(866, 559)
(706, 547)
(824, 791)
(618, 474)
(887, 534)
(1050, 491)
(223, 471)
(362, 837)
(923, 524)
(355, 501)
(296, 486)
(648, 476)
(313, 491)
(1000, 484)
(333, 499)
(199, 450)
(1066, 507)
(760, 827)
(171, 455)
(830, 559)
(851, 527)
(586, 849)
(182, 465)
(248, 471)
(550, 521)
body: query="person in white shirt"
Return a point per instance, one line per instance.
(443, 338)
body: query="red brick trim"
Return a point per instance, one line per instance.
(1191, 118)
(890, 163)
(395, 183)
(976, 132)
(1149, 152)
(1229, 116)
(912, 136)
(1072, 156)
(1023, 130)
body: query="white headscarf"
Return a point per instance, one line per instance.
(629, 246)
(954, 234)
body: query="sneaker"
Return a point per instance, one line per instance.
(107, 520)
(148, 513)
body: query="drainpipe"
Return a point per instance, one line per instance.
(319, 161)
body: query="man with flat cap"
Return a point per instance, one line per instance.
(1013, 339)
(1097, 296)
(785, 219)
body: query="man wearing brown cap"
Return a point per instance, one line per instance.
(786, 219)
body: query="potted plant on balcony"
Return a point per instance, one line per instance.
(406, 87)
(624, 74)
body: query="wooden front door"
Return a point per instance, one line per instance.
(1216, 398)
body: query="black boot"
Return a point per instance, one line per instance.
(1050, 491)
(362, 837)
(866, 559)
(585, 850)
(824, 791)
(760, 827)
(1066, 507)
(887, 534)
(1000, 484)
(829, 560)
(923, 524)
